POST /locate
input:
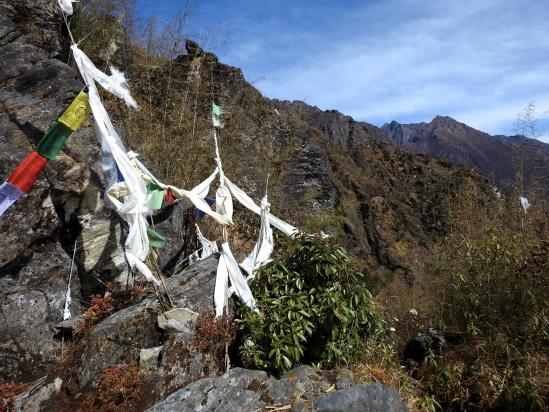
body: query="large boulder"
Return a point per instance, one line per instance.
(122, 337)
(423, 345)
(371, 397)
(300, 389)
(32, 302)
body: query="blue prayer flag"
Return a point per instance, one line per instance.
(199, 214)
(8, 195)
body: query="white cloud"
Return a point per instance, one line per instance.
(480, 61)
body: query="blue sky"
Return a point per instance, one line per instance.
(480, 61)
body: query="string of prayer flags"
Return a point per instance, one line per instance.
(217, 112)
(24, 176)
(128, 198)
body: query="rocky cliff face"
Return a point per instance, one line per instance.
(500, 158)
(391, 203)
(34, 262)
(340, 129)
(63, 214)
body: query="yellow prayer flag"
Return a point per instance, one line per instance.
(76, 112)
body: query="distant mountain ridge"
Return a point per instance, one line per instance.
(500, 158)
(339, 128)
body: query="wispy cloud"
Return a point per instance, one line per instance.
(480, 61)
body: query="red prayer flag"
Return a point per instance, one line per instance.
(26, 173)
(169, 196)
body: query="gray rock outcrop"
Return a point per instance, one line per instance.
(121, 337)
(300, 389)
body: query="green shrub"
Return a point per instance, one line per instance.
(493, 271)
(496, 284)
(314, 308)
(521, 396)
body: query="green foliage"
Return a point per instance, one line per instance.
(495, 284)
(429, 404)
(456, 387)
(314, 308)
(493, 268)
(520, 396)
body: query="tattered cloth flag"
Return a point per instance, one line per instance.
(21, 180)
(199, 214)
(77, 112)
(66, 6)
(156, 239)
(217, 112)
(227, 269)
(155, 195)
(50, 145)
(68, 300)
(169, 198)
(261, 254)
(208, 247)
(525, 204)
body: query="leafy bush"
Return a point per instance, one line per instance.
(496, 284)
(493, 271)
(314, 308)
(521, 396)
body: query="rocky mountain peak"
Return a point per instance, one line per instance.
(496, 156)
(446, 123)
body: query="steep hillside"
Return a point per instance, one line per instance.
(502, 159)
(326, 171)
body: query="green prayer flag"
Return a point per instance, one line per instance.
(156, 239)
(156, 196)
(217, 112)
(54, 139)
